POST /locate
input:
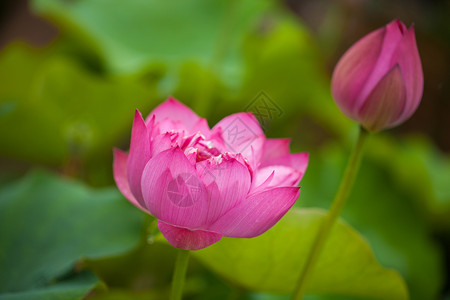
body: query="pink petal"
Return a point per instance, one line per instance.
(172, 190)
(407, 57)
(386, 102)
(139, 155)
(261, 182)
(169, 125)
(392, 36)
(274, 148)
(281, 176)
(400, 26)
(298, 161)
(253, 153)
(257, 213)
(120, 176)
(161, 143)
(227, 182)
(186, 239)
(239, 132)
(201, 126)
(216, 137)
(174, 110)
(153, 129)
(353, 70)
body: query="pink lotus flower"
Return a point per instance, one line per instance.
(378, 82)
(204, 183)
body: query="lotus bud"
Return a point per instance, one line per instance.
(378, 82)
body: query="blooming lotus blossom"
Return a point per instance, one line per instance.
(201, 183)
(378, 82)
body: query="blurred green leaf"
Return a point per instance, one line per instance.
(384, 213)
(285, 62)
(135, 34)
(51, 110)
(47, 224)
(75, 288)
(146, 273)
(115, 294)
(272, 262)
(261, 296)
(421, 171)
(150, 266)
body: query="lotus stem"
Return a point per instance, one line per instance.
(333, 214)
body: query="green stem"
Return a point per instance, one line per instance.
(333, 213)
(179, 274)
